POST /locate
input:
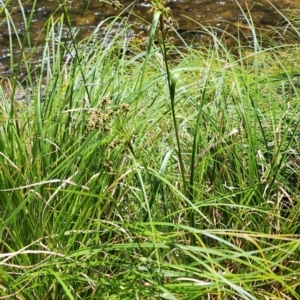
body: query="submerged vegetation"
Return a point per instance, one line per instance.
(151, 171)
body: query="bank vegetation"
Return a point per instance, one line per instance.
(137, 169)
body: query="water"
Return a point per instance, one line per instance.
(221, 15)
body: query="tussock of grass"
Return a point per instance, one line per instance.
(103, 197)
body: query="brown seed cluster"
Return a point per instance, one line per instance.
(124, 107)
(101, 118)
(164, 31)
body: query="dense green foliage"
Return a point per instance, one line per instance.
(151, 173)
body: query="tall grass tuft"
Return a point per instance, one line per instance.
(154, 172)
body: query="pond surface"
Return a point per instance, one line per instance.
(85, 15)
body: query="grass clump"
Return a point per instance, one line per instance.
(163, 174)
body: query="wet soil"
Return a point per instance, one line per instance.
(85, 15)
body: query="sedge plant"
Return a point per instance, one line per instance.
(151, 171)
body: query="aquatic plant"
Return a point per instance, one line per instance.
(157, 173)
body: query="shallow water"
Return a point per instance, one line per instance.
(86, 15)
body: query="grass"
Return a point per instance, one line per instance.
(151, 173)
